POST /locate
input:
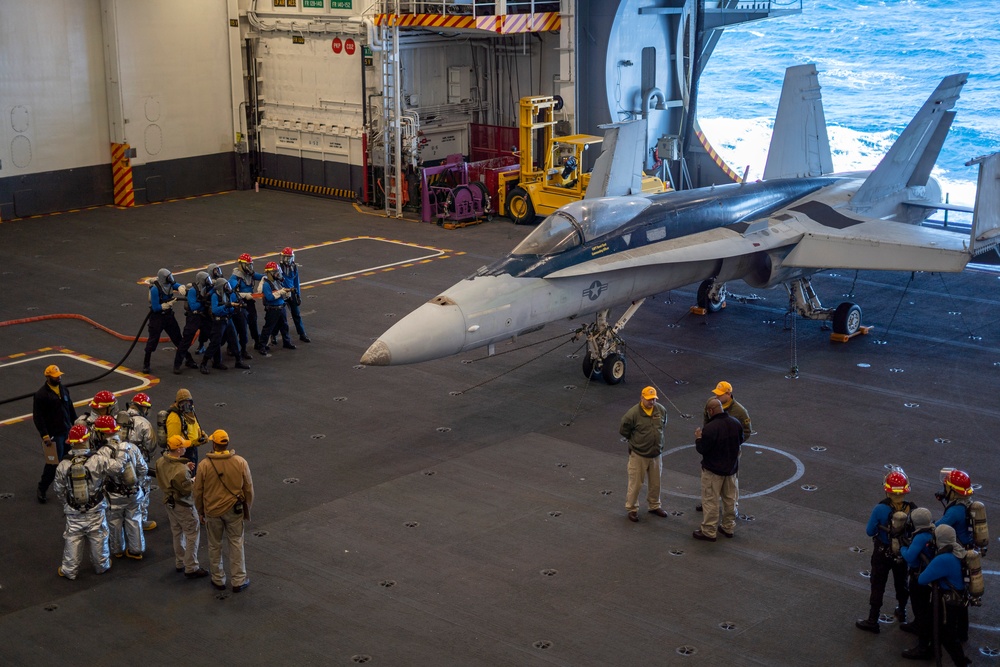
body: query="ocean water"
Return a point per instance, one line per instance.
(878, 60)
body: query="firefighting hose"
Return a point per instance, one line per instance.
(138, 338)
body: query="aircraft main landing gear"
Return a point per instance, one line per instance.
(605, 355)
(711, 297)
(846, 317)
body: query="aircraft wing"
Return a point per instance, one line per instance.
(819, 237)
(877, 245)
(714, 244)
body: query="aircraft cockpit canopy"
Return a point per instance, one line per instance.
(580, 222)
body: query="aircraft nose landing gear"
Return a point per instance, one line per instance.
(605, 355)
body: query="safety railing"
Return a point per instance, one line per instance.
(470, 7)
(755, 6)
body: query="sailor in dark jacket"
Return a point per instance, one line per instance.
(53, 414)
(719, 445)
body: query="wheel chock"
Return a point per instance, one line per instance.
(843, 338)
(459, 225)
(698, 310)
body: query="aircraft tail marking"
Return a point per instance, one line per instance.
(800, 146)
(913, 154)
(986, 215)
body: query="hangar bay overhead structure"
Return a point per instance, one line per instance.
(642, 59)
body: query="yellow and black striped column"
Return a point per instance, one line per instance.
(121, 168)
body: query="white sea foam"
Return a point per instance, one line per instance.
(877, 60)
(745, 142)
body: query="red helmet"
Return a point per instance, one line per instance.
(896, 483)
(142, 400)
(77, 435)
(245, 257)
(106, 424)
(957, 481)
(288, 252)
(103, 399)
(271, 266)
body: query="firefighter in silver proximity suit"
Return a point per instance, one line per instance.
(79, 481)
(136, 428)
(103, 403)
(123, 491)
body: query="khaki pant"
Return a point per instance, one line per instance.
(230, 526)
(186, 531)
(714, 487)
(642, 469)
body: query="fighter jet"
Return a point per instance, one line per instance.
(604, 252)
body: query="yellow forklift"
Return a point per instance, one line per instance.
(557, 179)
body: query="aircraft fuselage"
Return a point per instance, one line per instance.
(591, 272)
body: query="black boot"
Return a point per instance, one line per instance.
(204, 368)
(919, 653)
(869, 624)
(145, 362)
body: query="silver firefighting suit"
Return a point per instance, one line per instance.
(140, 433)
(123, 498)
(84, 522)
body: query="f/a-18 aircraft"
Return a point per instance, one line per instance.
(604, 252)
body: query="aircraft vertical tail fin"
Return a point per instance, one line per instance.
(800, 146)
(911, 157)
(986, 216)
(618, 169)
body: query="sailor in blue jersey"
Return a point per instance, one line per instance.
(956, 497)
(222, 329)
(294, 299)
(161, 317)
(884, 560)
(195, 320)
(243, 280)
(274, 292)
(945, 574)
(917, 554)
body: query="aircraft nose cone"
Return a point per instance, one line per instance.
(432, 331)
(377, 355)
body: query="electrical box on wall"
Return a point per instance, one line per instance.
(459, 84)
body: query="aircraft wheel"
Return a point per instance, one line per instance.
(520, 208)
(847, 318)
(591, 370)
(613, 369)
(705, 301)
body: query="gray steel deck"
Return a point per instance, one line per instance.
(399, 524)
